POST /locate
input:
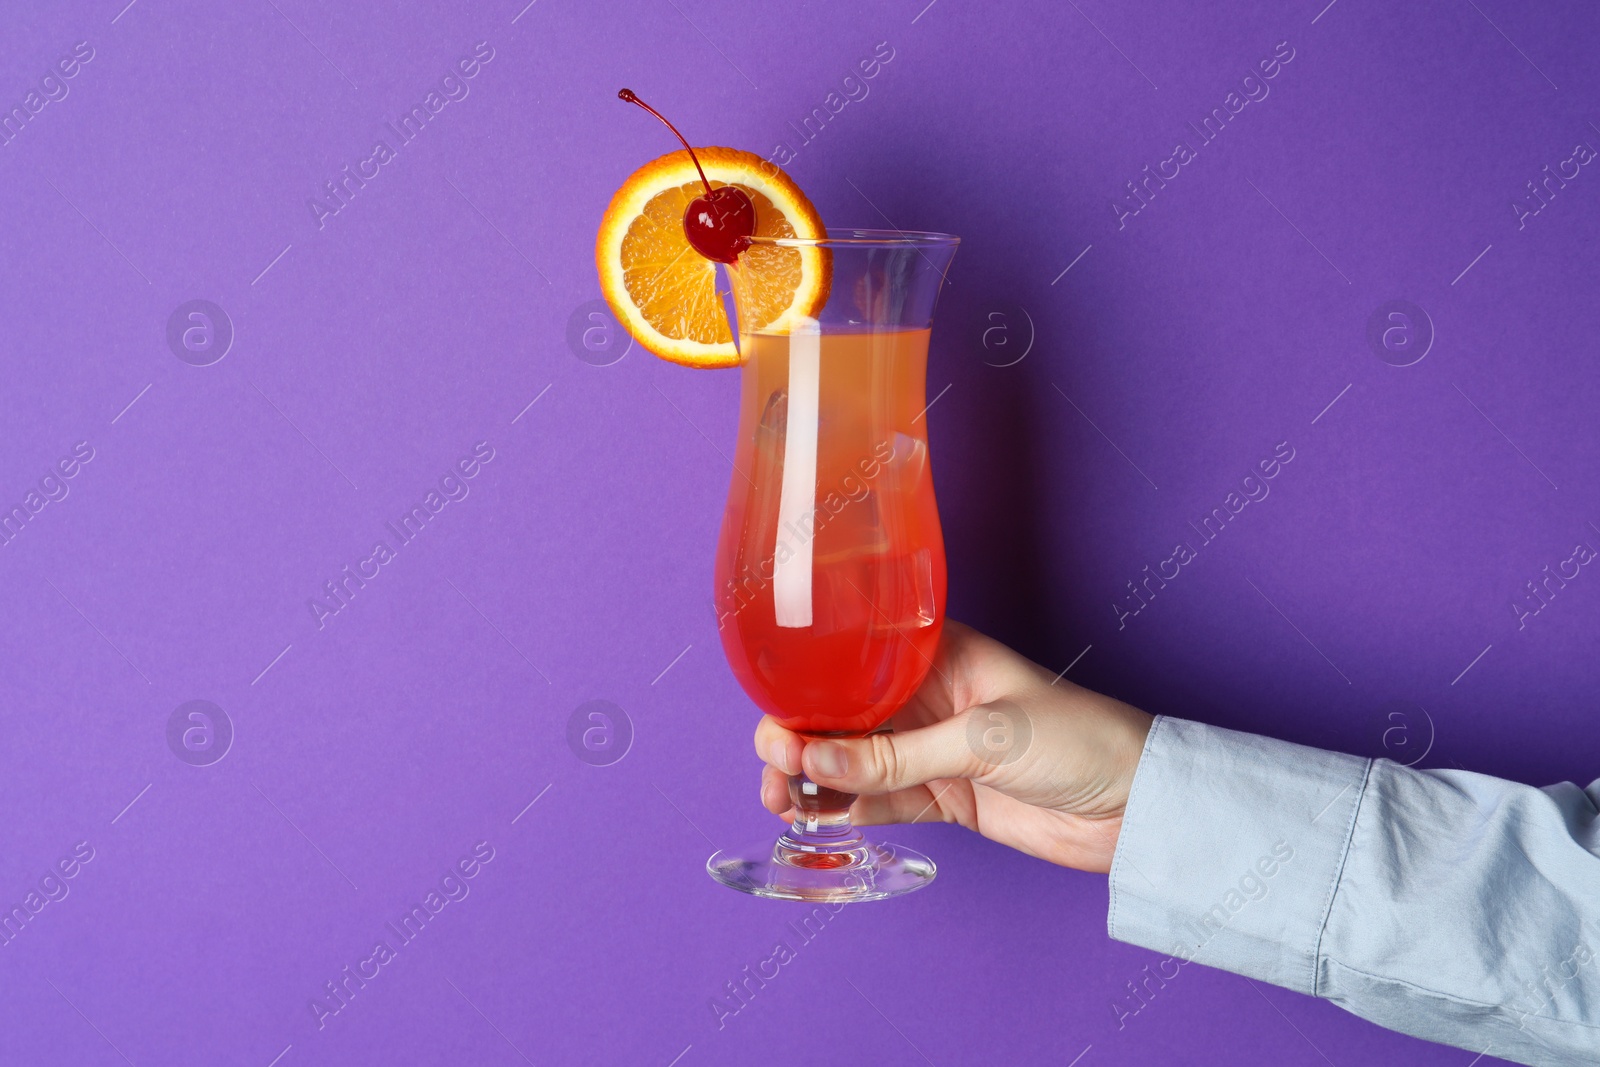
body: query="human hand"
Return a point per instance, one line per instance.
(990, 742)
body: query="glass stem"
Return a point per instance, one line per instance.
(822, 818)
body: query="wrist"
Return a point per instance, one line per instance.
(1135, 740)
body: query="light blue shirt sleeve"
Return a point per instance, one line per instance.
(1448, 905)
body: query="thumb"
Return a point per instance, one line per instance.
(887, 762)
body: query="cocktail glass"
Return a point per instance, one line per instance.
(830, 571)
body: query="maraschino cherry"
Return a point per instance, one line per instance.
(720, 223)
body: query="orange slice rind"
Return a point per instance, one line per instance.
(666, 294)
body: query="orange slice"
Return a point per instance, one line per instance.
(665, 292)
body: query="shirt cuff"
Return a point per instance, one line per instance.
(1231, 848)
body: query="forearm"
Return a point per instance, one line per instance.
(1448, 905)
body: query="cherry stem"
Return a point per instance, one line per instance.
(629, 96)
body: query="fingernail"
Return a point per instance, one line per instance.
(789, 757)
(830, 759)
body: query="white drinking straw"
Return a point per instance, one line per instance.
(797, 501)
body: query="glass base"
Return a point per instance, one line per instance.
(822, 858)
(788, 870)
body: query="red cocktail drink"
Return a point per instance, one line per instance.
(831, 586)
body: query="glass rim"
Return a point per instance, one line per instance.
(849, 237)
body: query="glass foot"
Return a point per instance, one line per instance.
(823, 857)
(782, 871)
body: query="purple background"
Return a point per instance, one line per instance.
(373, 352)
